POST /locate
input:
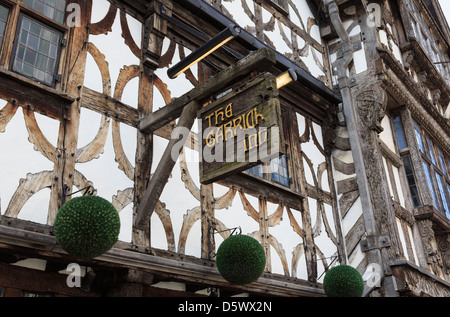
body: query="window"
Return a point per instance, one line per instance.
(53, 9)
(436, 171)
(3, 19)
(406, 159)
(442, 161)
(36, 50)
(418, 134)
(256, 170)
(407, 165)
(443, 193)
(279, 170)
(38, 39)
(276, 170)
(399, 134)
(431, 150)
(426, 167)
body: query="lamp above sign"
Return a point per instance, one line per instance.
(241, 129)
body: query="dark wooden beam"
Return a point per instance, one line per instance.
(36, 281)
(262, 188)
(32, 95)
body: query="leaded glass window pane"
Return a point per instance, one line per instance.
(53, 9)
(3, 19)
(418, 134)
(279, 170)
(442, 161)
(430, 183)
(399, 134)
(36, 51)
(256, 170)
(407, 164)
(442, 193)
(448, 201)
(431, 150)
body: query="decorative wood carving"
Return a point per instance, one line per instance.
(372, 105)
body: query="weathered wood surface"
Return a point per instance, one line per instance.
(143, 192)
(241, 123)
(18, 234)
(64, 168)
(33, 96)
(258, 60)
(164, 168)
(261, 188)
(109, 106)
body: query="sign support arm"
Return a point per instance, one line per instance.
(164, 168)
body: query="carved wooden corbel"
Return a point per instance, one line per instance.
(435, 96)
(408, 58)
(444, 249)
(422, 81)
(427, 235)
(371, 104)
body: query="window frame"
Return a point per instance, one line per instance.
(8, 50)
(431, 163)
(15, 49)
(404, 155)
(6, 23)
(267, 173)
(43, 13)
(293, 150)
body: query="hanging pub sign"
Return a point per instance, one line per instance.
(241, 129)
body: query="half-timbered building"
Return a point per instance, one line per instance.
(91, 104)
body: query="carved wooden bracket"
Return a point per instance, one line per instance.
(371, 104)
(375, 242)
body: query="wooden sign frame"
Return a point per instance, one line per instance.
(241, 129)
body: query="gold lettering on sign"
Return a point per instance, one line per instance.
(221, 132)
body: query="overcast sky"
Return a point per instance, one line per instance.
(445, 4)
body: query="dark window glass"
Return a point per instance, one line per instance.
(36, 51)
(418, 133)
(442, 192)
(53, 9)
(399, 134)
(3, 19)
(431, 150)
(411, 180)
(430, 184)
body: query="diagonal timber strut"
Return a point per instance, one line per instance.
(185, 108)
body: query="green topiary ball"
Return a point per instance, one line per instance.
(343, 281)
(87, 226)
(240, 259)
